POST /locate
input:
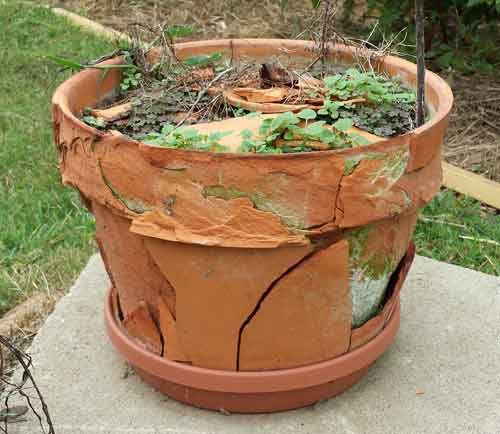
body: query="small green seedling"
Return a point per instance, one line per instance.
(187, 138)
(96, 122)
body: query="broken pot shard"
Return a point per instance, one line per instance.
(262, 107)
(140, 325)
(275, 94)
(133, 273)
(172, 349)
(305, 317)
(216, 289)
(113, 113)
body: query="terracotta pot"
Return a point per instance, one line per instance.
(276, 265)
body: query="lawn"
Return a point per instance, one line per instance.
(459, 230)
(46, 234)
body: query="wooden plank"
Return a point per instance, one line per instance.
(471, 184)
(91, 26)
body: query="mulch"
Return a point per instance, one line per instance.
(473, 139)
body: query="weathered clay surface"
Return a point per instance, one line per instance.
(217, 289)
(300, 194)
(140, 325)
(305, 318)
(163, 190)
(132, 271)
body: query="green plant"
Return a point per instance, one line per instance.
(389, 108)
(187, 138)
(459, 34)
(373, 87)
(285, 127)
(98, 122)
(178, 31)
(384, 120)
(203, 59)
(130, 79)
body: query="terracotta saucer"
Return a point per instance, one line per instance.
(251, 392)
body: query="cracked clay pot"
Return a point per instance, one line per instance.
(251, 282)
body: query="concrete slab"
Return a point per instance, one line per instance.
(448, 346)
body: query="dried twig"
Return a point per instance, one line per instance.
(202, 93)
(442, 222)
(419, 26)
(480, 240)
(25, 361)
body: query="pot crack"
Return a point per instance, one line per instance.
(337, 196)
(133, 205)
(266, 293)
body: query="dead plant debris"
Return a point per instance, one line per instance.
(308, 108)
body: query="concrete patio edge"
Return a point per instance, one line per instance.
(440, 376)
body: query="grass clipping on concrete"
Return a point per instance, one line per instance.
(46, 236)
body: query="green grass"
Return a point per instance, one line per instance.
(448, 218)
(45, 235)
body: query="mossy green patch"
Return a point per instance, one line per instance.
(393, 168)
(373, 267)
(222, 192)
(133, 205)
(357, 239)
(259, 200)
(351, 163)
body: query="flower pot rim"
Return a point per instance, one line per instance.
(251, 381)
(440, 86)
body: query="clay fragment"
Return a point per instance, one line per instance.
(365, 333)
(305, 317)
(233, 128)
(217, 288)
(113, 113)
(375, 251)
(368, 190)
(172, 349)
(133, 273)
(398, 278)
(268, 107)
(140, 325)
(307, 81)
(275, 94)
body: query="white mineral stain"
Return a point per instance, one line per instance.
(367, 295)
